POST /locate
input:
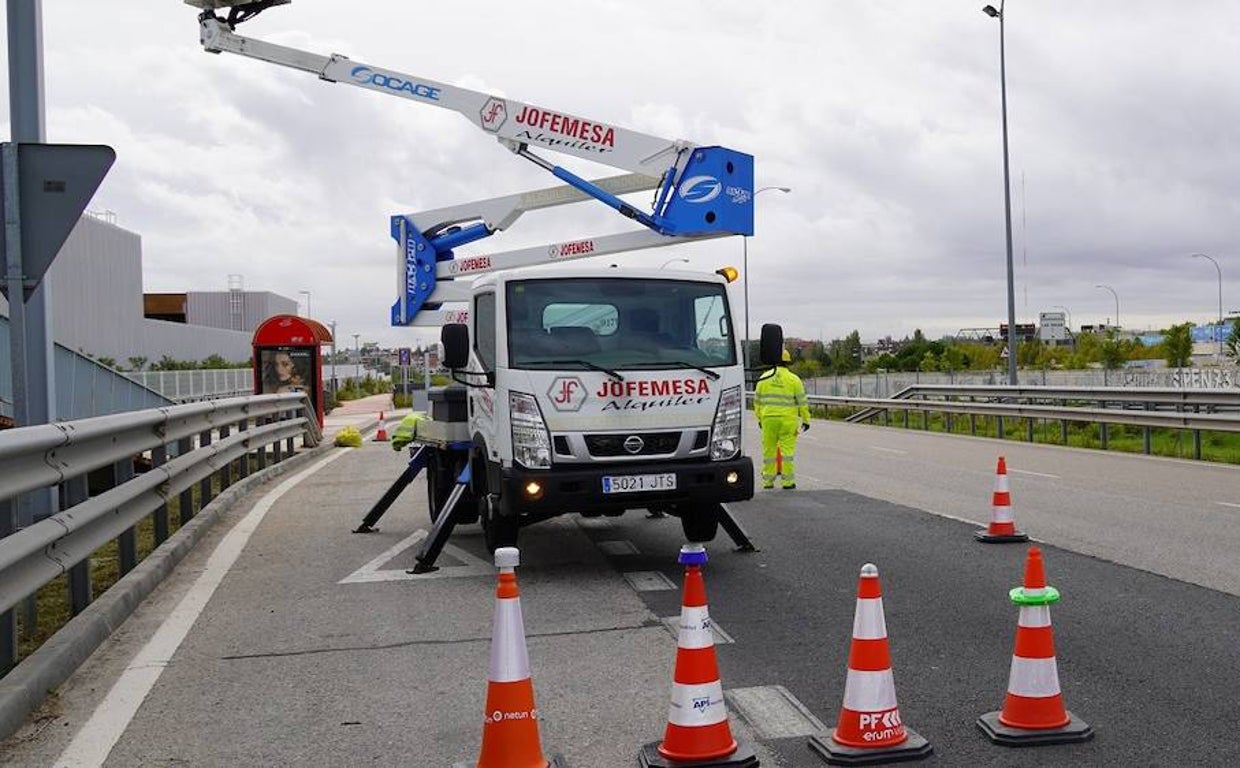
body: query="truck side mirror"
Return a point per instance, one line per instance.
(772, 346)
(455, 340)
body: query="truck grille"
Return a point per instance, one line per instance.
(653, 444)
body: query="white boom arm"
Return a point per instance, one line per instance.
(513, 123)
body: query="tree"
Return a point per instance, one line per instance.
(1113, 353)
(137, 363)
(1231, 348)
(1178, 346)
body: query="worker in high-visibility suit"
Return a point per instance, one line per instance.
(783, 412)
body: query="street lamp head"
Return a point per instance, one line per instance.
(991, 12)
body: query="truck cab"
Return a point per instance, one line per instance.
(596, 391)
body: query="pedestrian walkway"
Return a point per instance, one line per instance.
(362, 414)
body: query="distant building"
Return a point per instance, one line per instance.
(98, 307)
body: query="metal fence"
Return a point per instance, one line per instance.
(887, 384)
(107, 474)
(190, 386)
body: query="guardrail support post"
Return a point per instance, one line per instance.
(226, 471)
(77, 490)
(186, 503)
(1106, 434)
(973, 424)
(204, 487)
(8, 619)
(159, 456)
(276, 455)
(906, 418)
(1002, 432)
(127, 542)
(262, 449)
(1063, 431)
(1031, 429)
(244, 461)
(1146, 440)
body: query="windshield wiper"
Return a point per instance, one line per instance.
(586, 363)
(678, 364)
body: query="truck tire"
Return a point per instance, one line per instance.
(497, 530)
(441, 475)
(700, 522)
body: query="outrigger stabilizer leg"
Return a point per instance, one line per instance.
(417, 462)
(432, 545)
(733, 529)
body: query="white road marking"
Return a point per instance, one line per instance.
(773, 712)
(93, 743)
(619, 547)
(648, 581)
(372, 572)
(1228, 504)
(672, 625)
(888, 450)
(1035, 474)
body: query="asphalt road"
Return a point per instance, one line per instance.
(315, 649)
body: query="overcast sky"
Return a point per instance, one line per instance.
(883, 118)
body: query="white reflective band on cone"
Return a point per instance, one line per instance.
(695, 705)
(694, 628)
(509, 660)
(1002, 514)
(1035, 678)
(869, 691)
(1001, 483)
(1034, 615)
(868, 622)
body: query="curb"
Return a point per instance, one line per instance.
(37, 676)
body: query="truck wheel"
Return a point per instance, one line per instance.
(497, 530)
(700, 522)
(441, 475)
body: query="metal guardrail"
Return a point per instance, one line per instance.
(186, 447)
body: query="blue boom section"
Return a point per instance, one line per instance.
(714, 196)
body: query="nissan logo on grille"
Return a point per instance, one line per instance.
(634, 444)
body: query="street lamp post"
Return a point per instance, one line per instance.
(1007, 196)
(1219, 329)
(1116, 295)
(308, 312)
(333, 324)
(745, 270)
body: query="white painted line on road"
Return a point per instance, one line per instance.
(373, 572)
(1035, 474)
(92, 744)
(619, 547)
(672, 625)
(1228, 504)
(888, 450)
(773, 712)
(648, 581)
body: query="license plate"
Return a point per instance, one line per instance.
(635, 483)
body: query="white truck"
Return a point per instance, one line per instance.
(582, 389)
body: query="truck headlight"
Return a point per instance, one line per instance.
(725, 434)
(531, 442)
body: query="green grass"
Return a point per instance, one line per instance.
(1223, 447)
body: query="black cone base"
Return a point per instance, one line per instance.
(914, 748)
(1000, 538)
(743, 757)
(1077, 730)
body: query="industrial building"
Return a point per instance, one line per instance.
(99, 309)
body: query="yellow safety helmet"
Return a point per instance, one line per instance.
(786, 357)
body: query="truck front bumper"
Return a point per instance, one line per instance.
(579, 488)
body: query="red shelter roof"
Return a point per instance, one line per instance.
(282, 330)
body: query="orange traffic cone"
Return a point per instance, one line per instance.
(697, 732)
(1002, 529)
(869, 729)
(510, 720)
(381, 436)
(1033, 710)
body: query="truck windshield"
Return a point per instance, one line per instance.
(618, 323)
